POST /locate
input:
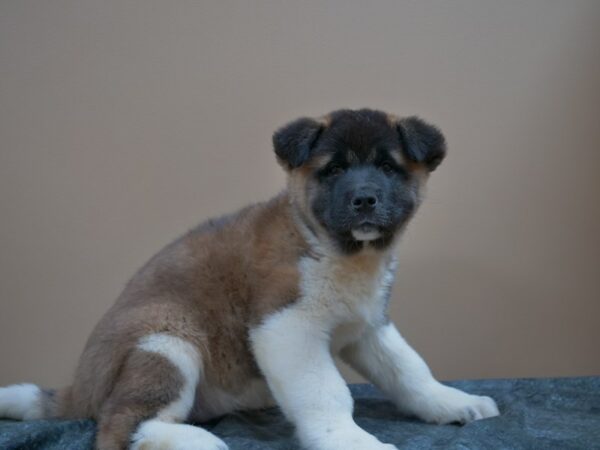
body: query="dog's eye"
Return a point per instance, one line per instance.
(335, 170)
(387, 167)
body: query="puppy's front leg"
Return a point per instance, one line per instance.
(293, 354)
(386, 359)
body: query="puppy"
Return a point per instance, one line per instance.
(248, 310)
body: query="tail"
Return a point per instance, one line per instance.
(27, 402)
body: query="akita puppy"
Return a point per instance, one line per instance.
(249, 310)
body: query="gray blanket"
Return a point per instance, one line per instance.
(536, 414)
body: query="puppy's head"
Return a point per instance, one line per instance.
(356, 176)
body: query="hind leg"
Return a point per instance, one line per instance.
(152, 398)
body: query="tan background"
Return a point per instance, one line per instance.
(123, 123)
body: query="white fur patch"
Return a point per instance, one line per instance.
(360, 235)
(159, 435)
(341, 289)
(187, 359)
(21, 402)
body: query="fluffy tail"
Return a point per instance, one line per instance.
(26, 402)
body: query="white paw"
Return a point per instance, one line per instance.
(157, 435)
(443, 404)
(344, 438)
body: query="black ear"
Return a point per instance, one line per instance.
(421, 142)
(294, 142)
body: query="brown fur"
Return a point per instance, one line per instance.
(302, 189)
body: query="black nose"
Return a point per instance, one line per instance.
(364, 202)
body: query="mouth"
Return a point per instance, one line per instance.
(366, 231)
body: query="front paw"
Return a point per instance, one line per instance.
(444, 404)
(342, 438)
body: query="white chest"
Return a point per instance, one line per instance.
(347, 293)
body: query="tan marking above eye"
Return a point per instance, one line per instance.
(319, 162)
(396, 156)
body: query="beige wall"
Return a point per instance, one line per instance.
(123, 123)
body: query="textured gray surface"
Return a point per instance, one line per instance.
(536, 414)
